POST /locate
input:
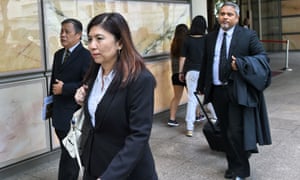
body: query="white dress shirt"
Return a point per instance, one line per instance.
(216, 80)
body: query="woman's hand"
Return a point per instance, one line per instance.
(80, 94)
(181, 77)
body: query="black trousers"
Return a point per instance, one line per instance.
(230, 116)
(68, 167)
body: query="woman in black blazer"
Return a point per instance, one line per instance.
(118, 99)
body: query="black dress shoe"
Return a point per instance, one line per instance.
(228, 174)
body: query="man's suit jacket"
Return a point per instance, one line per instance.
(71, 73)
(244, 45)
(246, 88)
(244, 42)
(117, 147)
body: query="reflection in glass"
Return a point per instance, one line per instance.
(152, 23)
(22, 132)
(20, 36)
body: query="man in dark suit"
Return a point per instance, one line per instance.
(240, 107)
(69, 67)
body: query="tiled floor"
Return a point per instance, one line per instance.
(181, 158)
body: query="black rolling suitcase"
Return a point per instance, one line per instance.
(211, 131)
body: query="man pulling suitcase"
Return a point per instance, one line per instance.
(211, 131)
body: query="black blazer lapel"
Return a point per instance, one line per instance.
(58, 63)
(212, 40)
(104, 107)
(213, 44)
(234, 41)
(75, 53)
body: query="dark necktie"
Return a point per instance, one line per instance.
(67, 55)
(223, 61)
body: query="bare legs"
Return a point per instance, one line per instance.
(178, 91)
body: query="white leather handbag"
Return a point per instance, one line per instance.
(73, 138)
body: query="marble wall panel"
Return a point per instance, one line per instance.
(20, 45)
(164, 89)
(152, 23)
(22, 132)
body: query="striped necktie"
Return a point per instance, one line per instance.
(67, 55)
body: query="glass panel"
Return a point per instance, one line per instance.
(23, 133)
(20, 44)
(152, 23)
(270, 23)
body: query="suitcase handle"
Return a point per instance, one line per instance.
(205, 114)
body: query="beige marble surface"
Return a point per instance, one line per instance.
(152, 23)
(22, 132)
(19, 37)
(164, 89)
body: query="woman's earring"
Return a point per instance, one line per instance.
(119, 52)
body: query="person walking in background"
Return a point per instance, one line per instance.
(178, 86)
(246, 23)
(69, 67)
(227, 80)
(190, 61)
(118, 100)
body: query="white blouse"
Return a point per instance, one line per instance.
(99, 88)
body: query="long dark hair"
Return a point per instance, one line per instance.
(198, 26)
(181, 31)
(129, 63)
